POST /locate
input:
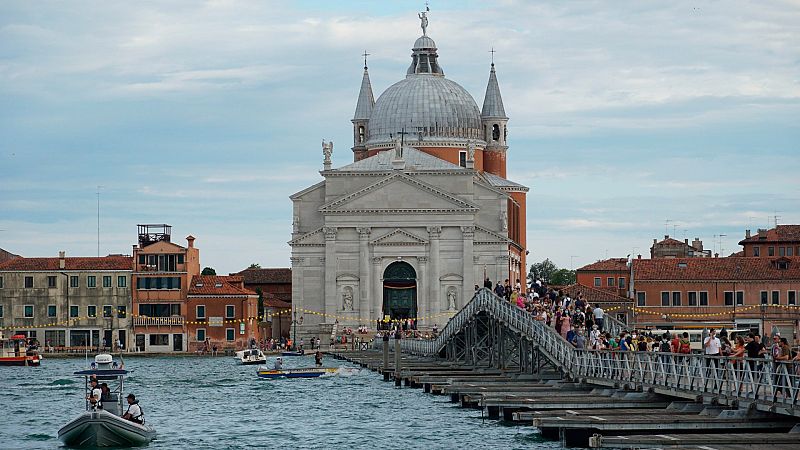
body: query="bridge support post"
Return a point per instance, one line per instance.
(397, 358)
(386, 374)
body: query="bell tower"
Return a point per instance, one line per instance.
(495, 128)
(366, 101)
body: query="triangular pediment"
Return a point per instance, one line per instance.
(486, 236)
(399, 193)
(313, 238)
(399, 237)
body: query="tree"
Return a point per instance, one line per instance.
(208, 271)
(255, 266)
(563, 277)
(542, 271)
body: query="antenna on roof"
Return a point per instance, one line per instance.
(666, 225)
(776, 217)
(98, 220)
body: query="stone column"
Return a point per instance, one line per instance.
(468, 234)
(501, 270)
(423, 299)
(377, 289)
(330, 274)
(434, 302)
(363, 275)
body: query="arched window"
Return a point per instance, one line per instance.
(360, 134)
(495, 132)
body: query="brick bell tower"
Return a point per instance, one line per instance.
(495, 127)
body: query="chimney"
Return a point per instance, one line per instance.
(747, 234)
(686, 241)
(716, 255)
(62, 262)
(639, 256)
(666, 236)
(655, 241)
(697, 244)
(190, 240)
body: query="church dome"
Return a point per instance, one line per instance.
(426, 105)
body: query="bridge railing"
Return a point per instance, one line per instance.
(743, 379)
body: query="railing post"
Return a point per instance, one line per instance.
(386, 357)
(397, 358)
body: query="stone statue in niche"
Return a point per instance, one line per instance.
(347, 298)
(451, 299)
(504, 220)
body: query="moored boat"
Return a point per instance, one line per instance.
(18, 351)
(251, 356)
(103, 424)
(304, 372)
(293, 353)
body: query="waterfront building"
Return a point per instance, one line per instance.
(611, 275)
(783, 240)
(757, 293)
(673, 248)
(222, 310)
(274, 286)
(67, 301)
(423, 213)
(161, 274)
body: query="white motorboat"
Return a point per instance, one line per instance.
(103, 425)
(251, 356)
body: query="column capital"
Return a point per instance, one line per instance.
(434, 232)
(296, 260)
(468, 232)
(364, 232)
(377, 260)
(330, 233)
(422, 259)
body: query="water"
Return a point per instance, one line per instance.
(205, 403)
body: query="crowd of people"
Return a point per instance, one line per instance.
(583, 325)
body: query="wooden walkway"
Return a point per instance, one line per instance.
(580, 415)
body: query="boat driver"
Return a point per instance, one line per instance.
(134, 412)
(278, 363)
(95, 394)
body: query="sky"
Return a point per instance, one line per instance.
(628, 119)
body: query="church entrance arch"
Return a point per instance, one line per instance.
(400, 291)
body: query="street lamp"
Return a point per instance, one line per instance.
(295, 322)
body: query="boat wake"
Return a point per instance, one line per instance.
(343, 372)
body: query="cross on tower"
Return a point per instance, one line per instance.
(365, 54)
(492, 51)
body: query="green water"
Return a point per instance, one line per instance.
(213, 403)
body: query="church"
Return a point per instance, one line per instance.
(422, 215)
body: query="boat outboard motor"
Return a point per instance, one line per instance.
(103, 361)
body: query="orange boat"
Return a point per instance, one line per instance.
(17, 351)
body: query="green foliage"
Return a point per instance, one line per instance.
(255, 266)
(562, 277)
(208, 271)
(542, 271)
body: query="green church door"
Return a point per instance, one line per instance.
(400, 291)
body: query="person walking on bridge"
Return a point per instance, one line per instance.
(599, 316)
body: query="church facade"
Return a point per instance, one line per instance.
(422, 215)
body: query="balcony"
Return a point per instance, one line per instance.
(142, 321)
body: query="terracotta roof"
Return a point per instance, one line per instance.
(591, 294)
(606, 265)
(699, 269)
(6, 256)
(78, 263)
(781, 233)
(217, 285)
(272, 301)
(671, 242)
(266, 276)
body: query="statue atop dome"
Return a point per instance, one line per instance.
(423, 17)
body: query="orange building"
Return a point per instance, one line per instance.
(756, 293)
(611, 275)
(274, 285)
(162, 271)
(221, 310)
(783, 240)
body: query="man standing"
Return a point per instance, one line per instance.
(711, 347)
(599, 314)
(95, 395)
